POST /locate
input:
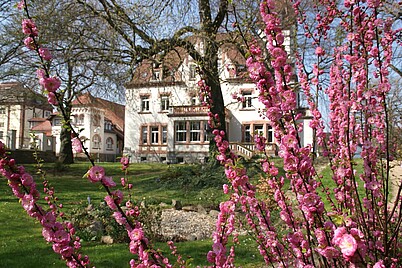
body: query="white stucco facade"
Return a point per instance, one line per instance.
(177, 132)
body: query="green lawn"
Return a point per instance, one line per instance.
(21, 242)
(22, 245)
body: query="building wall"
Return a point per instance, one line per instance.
(90, 122)
(14, 124)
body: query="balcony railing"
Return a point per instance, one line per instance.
(248, 150)
(188, 110)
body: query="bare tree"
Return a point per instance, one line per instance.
(66, 30)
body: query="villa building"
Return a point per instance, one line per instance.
(165, 120)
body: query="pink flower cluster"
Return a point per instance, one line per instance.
(49, 84)
(60, 234)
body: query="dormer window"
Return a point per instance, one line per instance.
(108, 125)
(156, 76)
(193, 72)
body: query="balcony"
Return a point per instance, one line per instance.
(188, 111)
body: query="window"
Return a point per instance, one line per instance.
(181, 131)
(207, 131)
(247, 100)
(155, 135)
(156, 76)
(164, 103)
(270, 134)
(2, 110)
(259, 130)
(164, 135)
(193, 72)
(144, 103)
(80, 119)
(47, 113)
(1, 134)
(108, 125)
(96, 141)
(1, 124)
(57, 122)
(109, 144)
(194, 100)
(195, 131)
(247, 133)
(144, 134)
(191, 131)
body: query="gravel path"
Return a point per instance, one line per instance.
(179, 225)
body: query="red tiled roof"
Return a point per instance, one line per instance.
(173, 59)
(44, 127)
(37, 119)
(113, 111)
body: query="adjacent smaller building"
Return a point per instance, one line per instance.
(21, 109)
(99, 122)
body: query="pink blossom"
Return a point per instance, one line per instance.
(260, 142)
(29, 43)
(328, 252)
(21, 5)
(96, 173)
(319, 51)
(61, 236)
(26, 179)
(225, 188)
(48, 220)
(29, 27)
(45, 53)
(136, 234)
(348, 245)
(379, 264)
(125, 161)
(52, 99)
(76, 145)
(338, 233)
(118, 196)
(110, 202)
(108, 181)
(120, 219)
(279, 39)
(51, 84)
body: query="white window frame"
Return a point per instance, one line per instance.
(195, 131)
(154, 134)
(145, 103)
(247, 100)
(181, 133)
(109, 143)
(164, 103)
(144, 135)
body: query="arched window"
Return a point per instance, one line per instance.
(109, 143)
(80, 119)
(96, 141)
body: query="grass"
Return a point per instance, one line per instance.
(22, 245)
